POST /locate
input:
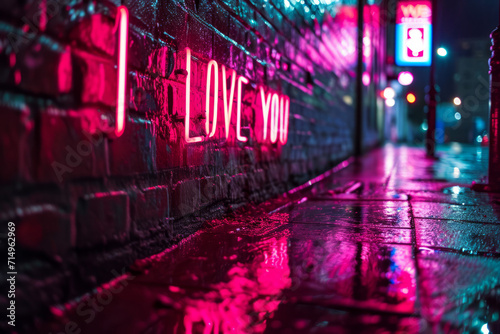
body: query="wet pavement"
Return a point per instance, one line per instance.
(392, 243)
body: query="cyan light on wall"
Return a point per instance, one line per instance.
(413, 33)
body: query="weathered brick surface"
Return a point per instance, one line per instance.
(16, 150)
(102, 218)
(67, 151)
(134, 152)
(119, 199)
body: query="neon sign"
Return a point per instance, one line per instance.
(122, 21)
(271, 121)
(413, 33)
(272, 118)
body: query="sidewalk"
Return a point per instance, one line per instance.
(394, 243)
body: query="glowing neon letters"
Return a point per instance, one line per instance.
(274, 106)
(122, 18)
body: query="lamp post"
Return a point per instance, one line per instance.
(494, 157)
(358, 125)
(493, 184)
(430, 140)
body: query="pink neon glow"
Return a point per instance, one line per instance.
(122, 69)
(252, 288)
(284, 114)
(414, 12)
(389, 93)
(266, 104)
(241, 80)
(212, 64)
(188, 98)
(275, 106)
(405, 78)
(366, 79)
(228, 105)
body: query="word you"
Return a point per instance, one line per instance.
(273, 117)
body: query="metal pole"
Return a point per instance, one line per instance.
(494, 157)
(430, 142)
(493, 184)
(358, 129)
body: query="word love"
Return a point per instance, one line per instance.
(271, 122)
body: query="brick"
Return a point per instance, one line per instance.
(196, 155)
(210, 190)
(170, 146)
(67, 150)
(140, 45)
(43, 228)
(36, 65)
(237, 186)
(96, 33)
(151, 203)
(172, 22)
(102, 218)
(16, 140)
(144, 12)
(134, 151)
(97, 80)
(186, 198)
(199, 38)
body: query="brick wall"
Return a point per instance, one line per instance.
(86, 203)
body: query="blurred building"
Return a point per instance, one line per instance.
(471, 82)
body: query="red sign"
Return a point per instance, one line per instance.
(414, 12)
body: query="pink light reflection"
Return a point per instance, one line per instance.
(251, 295)
(366, 78)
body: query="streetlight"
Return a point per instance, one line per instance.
(442, 52)
(389, 93)
(457, 101)
(411, 98)
(390, 102)
(405, 78)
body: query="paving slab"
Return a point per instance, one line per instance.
(394, 242)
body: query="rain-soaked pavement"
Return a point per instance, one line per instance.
(393, 243)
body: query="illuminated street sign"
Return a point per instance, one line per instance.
(413, 33)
